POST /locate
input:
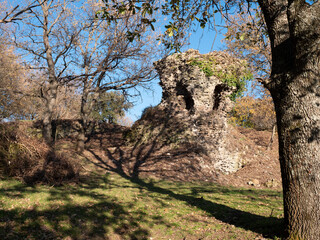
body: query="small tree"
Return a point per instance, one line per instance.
(47, 37)
(257, 113)
(110, 107)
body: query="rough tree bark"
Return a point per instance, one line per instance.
(85, 121)
(50, 93)
(294, 31)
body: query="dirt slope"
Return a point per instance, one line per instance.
(110, 151)
(261, 166)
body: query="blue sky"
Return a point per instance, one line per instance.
(203, 40)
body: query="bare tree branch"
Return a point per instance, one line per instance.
(16, 15)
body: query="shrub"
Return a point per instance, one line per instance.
(257, 113)
(30, 159)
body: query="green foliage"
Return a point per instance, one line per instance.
(233, 80)
(205, 66)
(110, 106)
(232, 76)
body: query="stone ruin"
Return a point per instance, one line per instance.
(195, 95)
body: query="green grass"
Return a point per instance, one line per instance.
(115, 207)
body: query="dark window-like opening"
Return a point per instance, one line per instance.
(217, 96)
(182, 90)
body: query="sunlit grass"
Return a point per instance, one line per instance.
(115, 207)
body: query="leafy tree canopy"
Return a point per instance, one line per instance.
(110, 107)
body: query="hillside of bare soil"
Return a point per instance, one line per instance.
(261, 167)
(110, 151)
(114, 148)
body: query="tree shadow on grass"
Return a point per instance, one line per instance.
(270, 227)
(97, 217)
(141, 154)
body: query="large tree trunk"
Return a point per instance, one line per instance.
(50, 91)
(48, 131)
(84, 115)
(85, 110)
(81, 137)
(298, 116)
(294, 31)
